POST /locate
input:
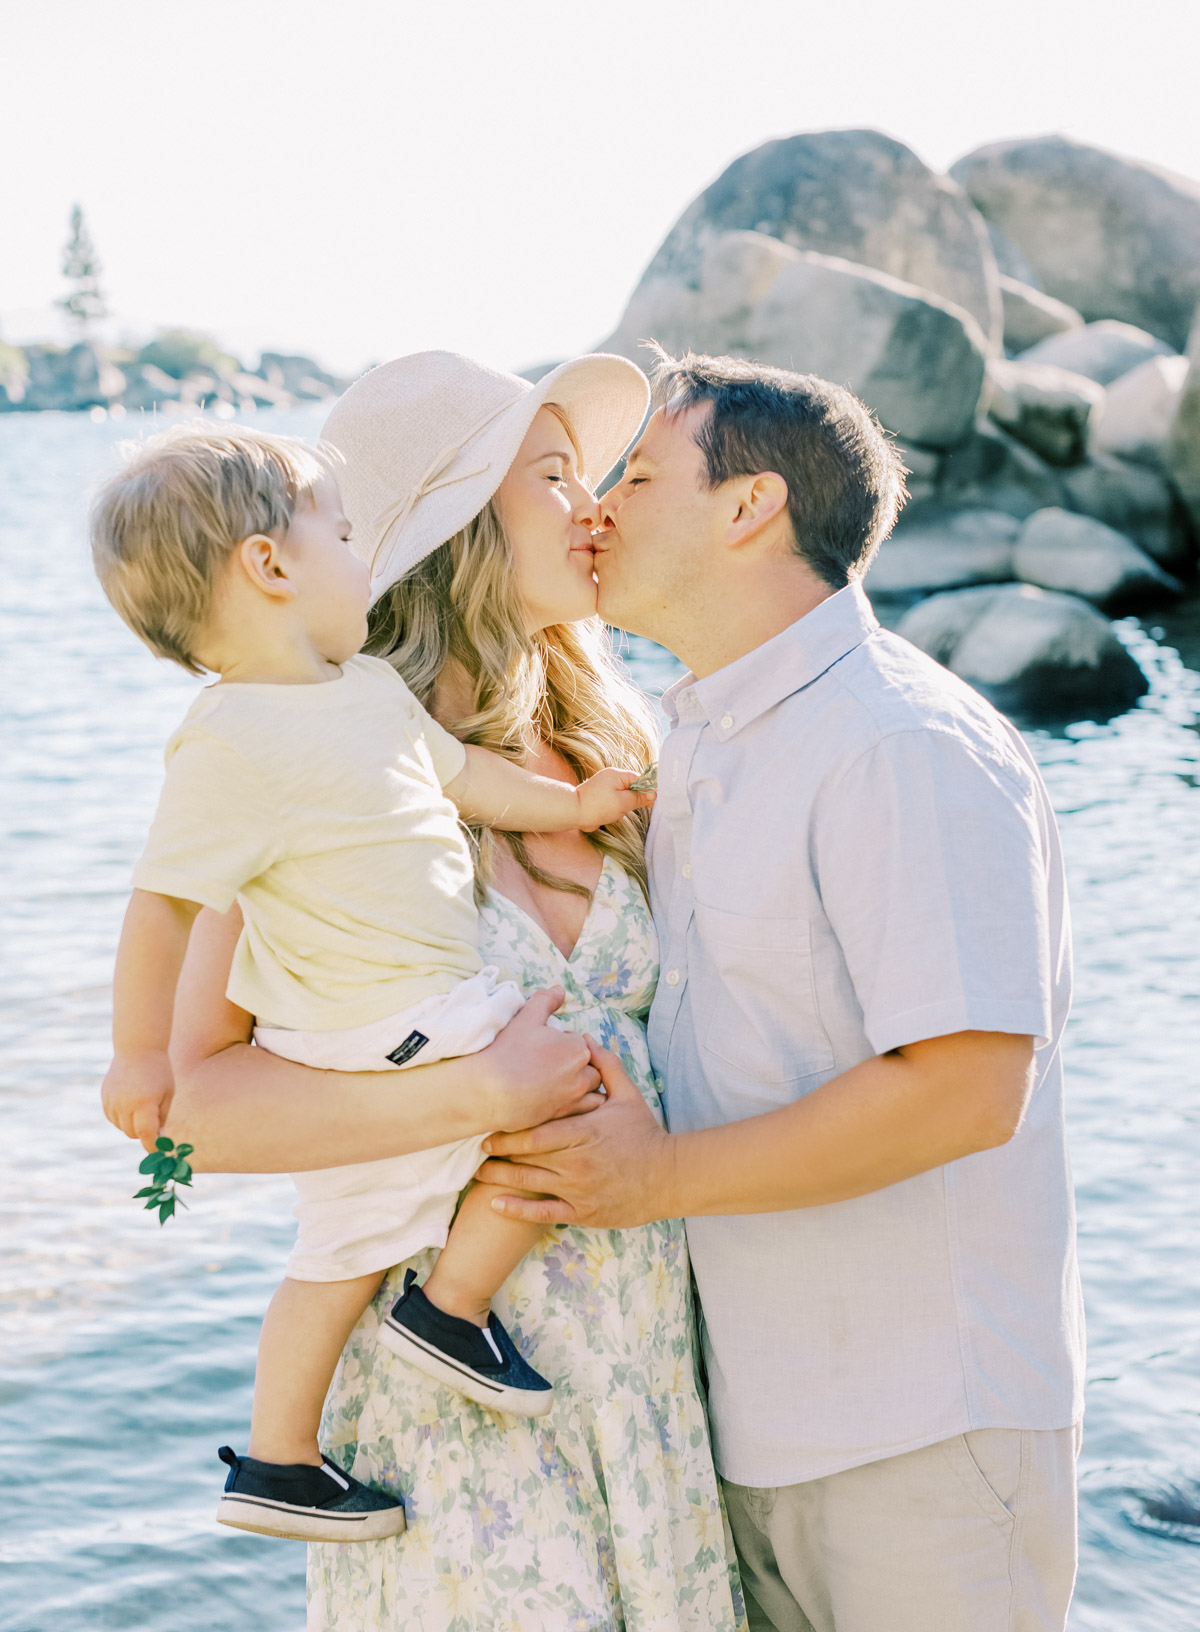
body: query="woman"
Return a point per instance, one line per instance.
(468, 496)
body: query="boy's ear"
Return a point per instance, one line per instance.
(260, 558)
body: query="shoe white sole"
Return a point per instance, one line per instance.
(266, 1518)
(517, 1402)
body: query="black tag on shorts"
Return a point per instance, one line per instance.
(412, 1044)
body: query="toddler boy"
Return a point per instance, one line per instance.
(309, 785)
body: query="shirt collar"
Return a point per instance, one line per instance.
(737, 694)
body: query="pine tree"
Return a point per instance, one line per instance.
(85, 304)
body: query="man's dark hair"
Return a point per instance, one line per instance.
(844, 475)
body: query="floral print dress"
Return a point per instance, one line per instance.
(603, 1516)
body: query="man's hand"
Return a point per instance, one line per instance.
(610, 1169)
(878, 1123)
(136, 1094)
(605, 798)
(534, 1072)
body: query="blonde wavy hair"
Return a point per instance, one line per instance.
(562, 685)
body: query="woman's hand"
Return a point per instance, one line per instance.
(245, 1110)
(536, 1073)
(611, 1169)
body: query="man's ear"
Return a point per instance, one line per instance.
(761, 500)
(260, 558)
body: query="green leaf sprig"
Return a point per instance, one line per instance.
(168, 1165)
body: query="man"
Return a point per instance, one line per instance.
(865, 975)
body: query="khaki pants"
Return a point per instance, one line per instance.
(973, 1534)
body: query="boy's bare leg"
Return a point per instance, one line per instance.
(303, 1335)
(480, 1254)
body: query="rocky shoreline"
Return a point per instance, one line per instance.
(1026, 327)
(178, 372)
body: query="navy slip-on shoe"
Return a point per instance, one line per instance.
(481, 1362)
(304, 1503)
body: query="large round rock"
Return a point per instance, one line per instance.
(1103, 351)
(1047, 408)
(994, 471)
(945, 550)
(1181, 455)
(1057, 549)
(917, 360)
(1140, 410)
(1030, 315)
(1033, 652)
(1110, 236)
(856, 194)
(1136, 500)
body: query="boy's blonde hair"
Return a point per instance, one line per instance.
(166, 525)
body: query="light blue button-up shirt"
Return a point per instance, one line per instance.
(851, 851)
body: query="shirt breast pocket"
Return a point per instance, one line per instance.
(764, 1019)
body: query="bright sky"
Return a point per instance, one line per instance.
(362, 178)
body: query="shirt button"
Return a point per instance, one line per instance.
(726, 722)
(687, 869)
(672, 977)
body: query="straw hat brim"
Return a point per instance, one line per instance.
(605, 399)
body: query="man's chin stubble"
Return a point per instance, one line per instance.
(608, 606)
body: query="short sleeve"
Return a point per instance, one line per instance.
(447, 753)
(932, 869)
(216, 826)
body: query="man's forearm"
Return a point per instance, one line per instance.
(883, 1121)
(878, 1123)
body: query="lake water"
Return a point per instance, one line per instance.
(127, 1352)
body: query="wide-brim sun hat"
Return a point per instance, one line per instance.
(427, 439)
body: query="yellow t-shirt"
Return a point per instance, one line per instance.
(320, 809)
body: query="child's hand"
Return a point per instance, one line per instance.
(137, 1094)
(605, 798)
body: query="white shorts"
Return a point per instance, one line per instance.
(356, 1220)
